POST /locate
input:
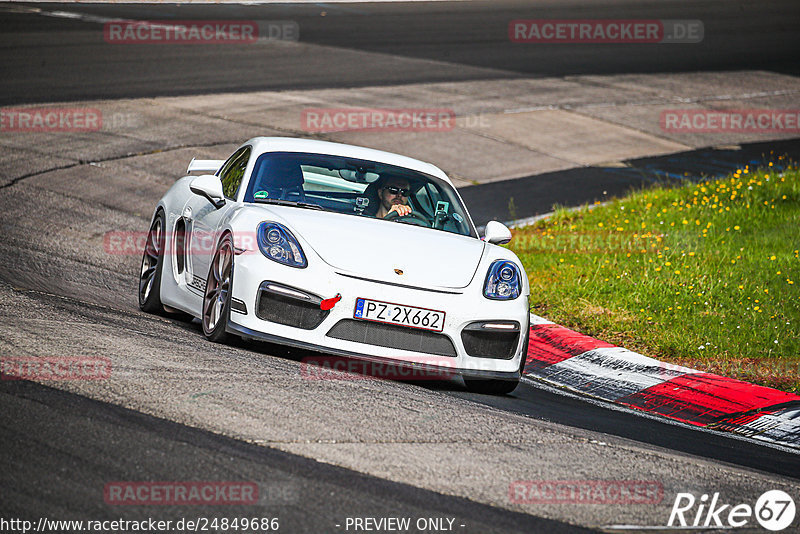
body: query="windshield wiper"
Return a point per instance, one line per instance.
(279, 202)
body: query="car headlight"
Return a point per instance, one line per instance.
(277, 243)
(503, 281)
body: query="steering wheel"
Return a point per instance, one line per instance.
(414, 218)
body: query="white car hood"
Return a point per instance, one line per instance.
(374, 249)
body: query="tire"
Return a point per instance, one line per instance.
(217, 296)
(152, 264)
(491, 386)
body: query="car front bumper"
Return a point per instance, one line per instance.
(336, 332)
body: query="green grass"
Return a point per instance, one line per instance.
(705, 275)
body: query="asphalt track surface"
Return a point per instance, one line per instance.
(60, 446)
(460, 40)
(65, 433)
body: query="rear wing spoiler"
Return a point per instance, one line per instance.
(205, 165)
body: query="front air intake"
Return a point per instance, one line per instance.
(393, 337)
(487, 339)
(288, 306)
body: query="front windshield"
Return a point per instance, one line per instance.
(358, 187)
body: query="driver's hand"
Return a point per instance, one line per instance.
(401, 209)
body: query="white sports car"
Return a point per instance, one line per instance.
(344, 250)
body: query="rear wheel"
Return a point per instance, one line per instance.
(152, 261)
(217, 298)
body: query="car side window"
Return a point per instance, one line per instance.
(232, 172)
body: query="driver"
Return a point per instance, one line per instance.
(393, 196)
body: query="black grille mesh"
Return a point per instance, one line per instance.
(391, 336)
(495, 345)
(288, 311)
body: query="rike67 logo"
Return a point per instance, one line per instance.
(774, 510)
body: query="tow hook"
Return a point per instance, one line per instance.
(327, 304)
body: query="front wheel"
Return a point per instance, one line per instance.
(152, 262)
(491, 386)
(217, 298)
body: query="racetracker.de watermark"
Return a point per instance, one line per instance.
(340, 368)
(199, 31)
(195, 243)
(588, 242)
(55, 368)
(605, 31)
(180, 493)
(732, 120)
(50, 120)
(326, 120)
(585, 492)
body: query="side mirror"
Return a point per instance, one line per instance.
(496, 233)
(208, 186)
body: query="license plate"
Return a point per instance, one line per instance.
(387, 312)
